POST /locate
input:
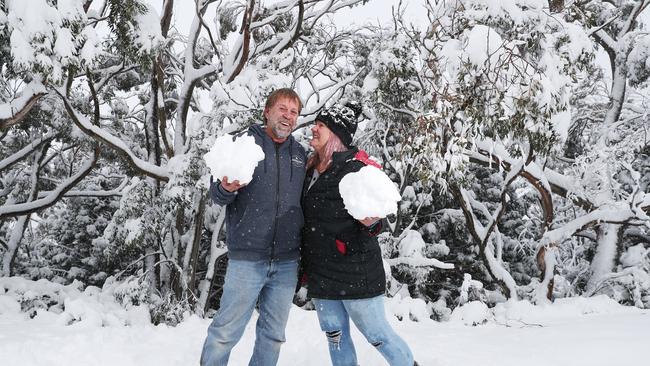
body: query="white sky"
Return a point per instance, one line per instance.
(374, 12)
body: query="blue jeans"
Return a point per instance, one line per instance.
(369, 317)
(246, 282)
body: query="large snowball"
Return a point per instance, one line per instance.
(234, 159)
(369, 193)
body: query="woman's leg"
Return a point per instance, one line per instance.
(370, 318)
(335, 322)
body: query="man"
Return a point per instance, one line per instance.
(263, 222)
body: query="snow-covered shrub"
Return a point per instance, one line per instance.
(128, 292)
(471, 290)
(169, 310)
(439, 310)
(60, 248)
(408, 308)
(38, 295)
(630, 283)
(125, 237)
(124, 302)
(471, 313)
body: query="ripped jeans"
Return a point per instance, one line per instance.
(370, 318)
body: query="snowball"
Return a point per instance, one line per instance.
(234, 159)
(369, 193)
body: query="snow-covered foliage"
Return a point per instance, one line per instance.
(515, 132)
(49, 38)
(114, 304)
(110, 104)
(505, 90)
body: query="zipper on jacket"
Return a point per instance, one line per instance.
(277, 198)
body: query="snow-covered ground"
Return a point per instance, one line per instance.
(577, 331)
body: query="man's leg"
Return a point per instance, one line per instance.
(275, 303)
(370, 318)
(334, 321)
(242, 285)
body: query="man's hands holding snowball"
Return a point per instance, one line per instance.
(231, 186)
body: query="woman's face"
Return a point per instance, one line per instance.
(320, 135)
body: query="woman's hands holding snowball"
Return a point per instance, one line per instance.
(369, 221)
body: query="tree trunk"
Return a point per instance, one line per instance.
(556, 6)
(206, 284)
(152, 142)
(192, 252)
(604, 260)
(175, 277)
(500, 275)
(21, 223)
(12, 245)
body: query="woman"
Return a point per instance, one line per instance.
(341, 256)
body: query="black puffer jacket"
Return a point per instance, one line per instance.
(357, 274)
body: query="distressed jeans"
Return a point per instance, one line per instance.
(369, 317)
(246, 282)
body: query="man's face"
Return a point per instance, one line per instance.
(281, 118)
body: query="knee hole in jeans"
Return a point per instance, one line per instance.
(334, 336)
(377, 344)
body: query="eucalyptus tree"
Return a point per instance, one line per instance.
(114, 91)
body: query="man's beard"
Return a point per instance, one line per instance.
(279, 131)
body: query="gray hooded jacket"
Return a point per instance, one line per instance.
(264, 218)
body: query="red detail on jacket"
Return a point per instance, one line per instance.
(341, 247)
(363, 157)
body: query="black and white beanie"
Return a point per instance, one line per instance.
(341, 120)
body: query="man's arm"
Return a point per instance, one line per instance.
(223, 192)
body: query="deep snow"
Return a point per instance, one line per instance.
(575, 332)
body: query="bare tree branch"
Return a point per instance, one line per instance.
(26, 151)
(99, 134)
(43, 203)
(245, 47)
(14, 112)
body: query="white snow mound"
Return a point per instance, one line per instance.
(471, 313)
(369, 193)
(234, 159)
